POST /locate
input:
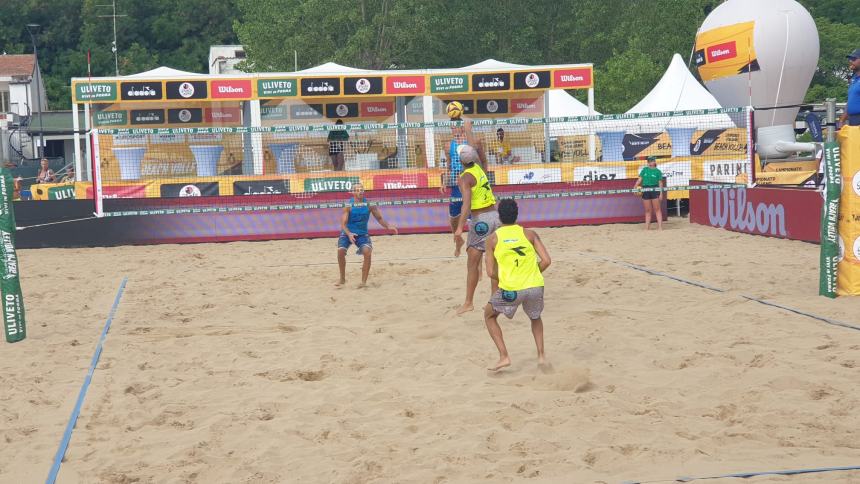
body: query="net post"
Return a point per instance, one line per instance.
(429, 132)
(547, 145)
(592, 143)
(97, 174)
(750, 114)
(401, 141)
(87, 128)
(256, 138)
(76, 139)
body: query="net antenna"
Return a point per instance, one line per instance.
(113, 16)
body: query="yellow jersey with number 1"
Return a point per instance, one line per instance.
(517, 259)
(482, 193)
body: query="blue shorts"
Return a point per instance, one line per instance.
(455, 208)
(361, 241)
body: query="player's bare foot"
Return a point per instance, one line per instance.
(458, 246)
(362, 285)
(502, 363)
(340, 283)
(544, 366)
(465, 308)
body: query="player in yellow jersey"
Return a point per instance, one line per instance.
(479, 203)
(516, 258)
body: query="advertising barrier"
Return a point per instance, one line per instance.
(318, 215)
(774, 212)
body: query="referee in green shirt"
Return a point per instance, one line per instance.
(651, 177)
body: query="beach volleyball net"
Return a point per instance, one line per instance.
(295, 166)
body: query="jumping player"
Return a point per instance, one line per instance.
(480, 203)
(516, 259)
(353, 226)
(461, 136)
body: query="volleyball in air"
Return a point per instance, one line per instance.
(455, 109)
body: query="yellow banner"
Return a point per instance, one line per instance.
(786, 172)
(848, 271)
(726, 51)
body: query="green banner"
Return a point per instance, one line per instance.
(61, 193)
(111, 118)
(276, 87)
(10, 285)
(829, 251)
(95, 91)
(331, 184)
(449, 84)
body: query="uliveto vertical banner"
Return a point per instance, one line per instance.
(10, 285)
(829, 258)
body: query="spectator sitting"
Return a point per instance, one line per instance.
(46, 175)
(503, 152)
(70, 175)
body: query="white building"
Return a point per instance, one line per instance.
(223, 58)
(22, 98)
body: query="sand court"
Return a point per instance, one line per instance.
(242, 362)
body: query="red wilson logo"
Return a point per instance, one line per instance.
(525, 106)
(370, 110)
(400, 182)
(722, 52)
(405, 85)
(231, 89)
(572, 78)
(222, 115)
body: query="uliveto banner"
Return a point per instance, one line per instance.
(774, 212)
(13, 301)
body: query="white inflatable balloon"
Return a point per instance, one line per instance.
(764, 52)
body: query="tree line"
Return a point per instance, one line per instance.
(630, 42)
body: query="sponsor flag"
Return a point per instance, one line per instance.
(829, 250)
(14, 326)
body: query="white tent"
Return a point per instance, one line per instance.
(164, 73)
(333, 69)
(678, 90)
(491, 65)
(563, 104)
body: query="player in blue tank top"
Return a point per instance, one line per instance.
(462, 135)
(353, 226)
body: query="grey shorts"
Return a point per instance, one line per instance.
(507, 302)
(480, 227)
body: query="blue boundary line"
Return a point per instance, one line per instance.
(73, 419)
(716, 289)
(746, 475)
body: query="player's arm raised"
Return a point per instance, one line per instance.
(475, 142)
(542, 253)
